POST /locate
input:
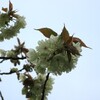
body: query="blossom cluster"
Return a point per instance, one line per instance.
(50, 56)
(33, 87)
(10, 27)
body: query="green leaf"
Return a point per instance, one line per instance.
(47, 32)
(65, 34)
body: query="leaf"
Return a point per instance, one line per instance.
(28, 82)
(14, 15)
(75, 39)
(65, 34)
(72, 49)
(70, 40)
(18, 40)
(10, 6)
(25, 50)
(4, 9)
(47, 32)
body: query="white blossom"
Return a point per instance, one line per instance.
(9, 28)
(50, 56)
(2, 53)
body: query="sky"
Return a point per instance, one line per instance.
(81, 18)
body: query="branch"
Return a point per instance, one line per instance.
(44, 87)
(11, 72)
(1, 96)
(14, 58)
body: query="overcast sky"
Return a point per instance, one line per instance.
(81, 17)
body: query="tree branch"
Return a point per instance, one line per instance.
(14, 58)
(44, 87)
(1, 96)
(11, 72)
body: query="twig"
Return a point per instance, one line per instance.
(44, 87)
(11, 72)
(1, 96)
(14, 58)
(1, 60)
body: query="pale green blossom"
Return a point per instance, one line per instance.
(50, 56)
(32, 56)
(2, 53)
(10, 28)
(10, 53)
(77, 45)
(35, 90)
(22, 77)
(4, 19)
